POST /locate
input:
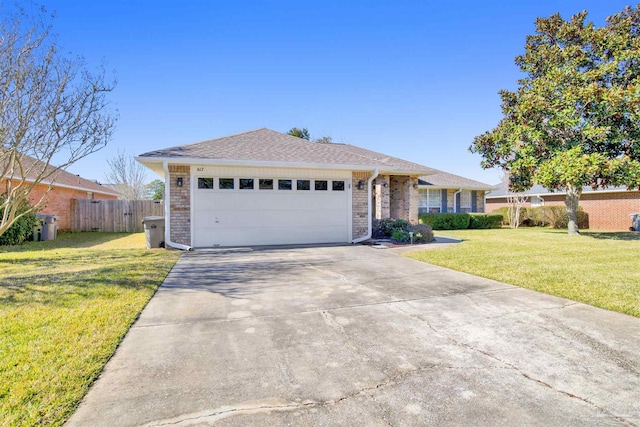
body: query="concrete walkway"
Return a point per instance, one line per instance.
(351, 335)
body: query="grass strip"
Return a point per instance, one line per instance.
(598, 268)
(65, 305)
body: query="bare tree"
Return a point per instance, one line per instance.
(516, 202)
(51, 106)
(127, 176)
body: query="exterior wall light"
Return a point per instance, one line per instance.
(361, 185)
(415, 185)
(179, 182)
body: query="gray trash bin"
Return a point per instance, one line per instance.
(635, 222)
(154, 231)
(49, 226)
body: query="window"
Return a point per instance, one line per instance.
(90, 195)
(246, 183)
(226, 184)
(303, 184)
(285, 184)
(206, 183)
(321, 185)
(265, 184)
(465, 201)
(429, 200)
(434, 201)
(337, 185)
(537, 201)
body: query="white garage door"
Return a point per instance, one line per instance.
(233, 211)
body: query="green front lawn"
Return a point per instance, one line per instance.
(597, 268)
(65, 305)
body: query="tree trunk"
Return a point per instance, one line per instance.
(572, 200)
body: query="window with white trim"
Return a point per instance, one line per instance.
(429, 200)
(465, 201)
(536, 201)
(434, 201)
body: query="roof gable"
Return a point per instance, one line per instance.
(61, 178)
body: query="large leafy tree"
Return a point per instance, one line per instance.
(574, 119)
(52, 107)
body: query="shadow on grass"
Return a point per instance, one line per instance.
(67, 241)
(612, 235)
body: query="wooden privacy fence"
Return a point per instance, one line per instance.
(112, 215)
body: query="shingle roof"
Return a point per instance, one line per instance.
(449, 180)
(264, 145)
(61, 178)
(538, 190)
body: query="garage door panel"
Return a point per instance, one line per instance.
(256, 217)
(270, 218)
(246, 236)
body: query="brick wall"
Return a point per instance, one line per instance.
(359, 205)
(180, 204)
(58, 202)
(403, 198)
(480, 201)
(607, 211)
(382, 207)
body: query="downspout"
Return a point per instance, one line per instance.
(455, 200)
(369, 215)
(167, 212)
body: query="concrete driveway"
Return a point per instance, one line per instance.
(353, 335)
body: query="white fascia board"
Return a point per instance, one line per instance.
(147, 161)
(71, 187)
(445, 187)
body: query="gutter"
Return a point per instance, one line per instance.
(167, 212)
(455, 200)
(369, 215)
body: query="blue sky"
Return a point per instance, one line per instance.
(413, 79)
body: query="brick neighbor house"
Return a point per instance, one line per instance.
(64, 187)
(263, 187)
(608, 209)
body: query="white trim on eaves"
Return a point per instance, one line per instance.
(150, 161)
(73, 187)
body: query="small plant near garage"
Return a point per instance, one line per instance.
(402, 231)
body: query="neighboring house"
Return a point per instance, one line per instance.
(64, 187)
(608, 209)
(264, 187)
(445, 192)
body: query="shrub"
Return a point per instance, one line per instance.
(422, 233)
(399, 230)
(383, 228)
(446, 221)
(543, 216)
(482, 221)
(20, 230)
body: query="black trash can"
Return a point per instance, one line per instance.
(37, 228)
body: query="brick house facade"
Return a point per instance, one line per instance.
(607, 210)
(264, 187)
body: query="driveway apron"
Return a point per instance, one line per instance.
(353, 335)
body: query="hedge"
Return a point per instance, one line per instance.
(543, 216)
(461, 221)
(20, 230)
